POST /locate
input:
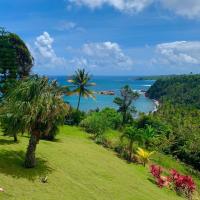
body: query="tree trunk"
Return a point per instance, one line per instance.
(30, 154)
(79, 99)
(124, 118)
(15, 137)
(130, 151)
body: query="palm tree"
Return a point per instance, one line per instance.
(131, 134)
(81, 82)
(37, 106)
(125, 102)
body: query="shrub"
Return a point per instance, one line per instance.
(183, 185)
(144, 156)
(74, 117)
(94, 124)
(112, 117)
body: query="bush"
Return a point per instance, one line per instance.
(112, 117)
(74, 117)
(95, 124)
(183, 185)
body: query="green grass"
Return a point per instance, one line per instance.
(77, 169)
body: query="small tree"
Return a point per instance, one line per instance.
(37, 106)
(131, 134)
(125, 102)
(81, 82)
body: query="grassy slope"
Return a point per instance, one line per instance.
(77, 168)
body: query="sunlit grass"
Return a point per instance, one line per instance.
(76, 168)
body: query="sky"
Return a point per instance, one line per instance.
(107, 37)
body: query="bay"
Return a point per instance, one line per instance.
(113, 83)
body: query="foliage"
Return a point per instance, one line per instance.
(144, 156)
(179, 90)
(81, 82)
(15, 59)
(179, 97)
(98, 122)
(183, 185)
(112, 117)
(125, 103)
(95, 124)
(132, 135)
(74, 117)
(34, 105)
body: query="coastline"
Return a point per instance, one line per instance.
(156, 102)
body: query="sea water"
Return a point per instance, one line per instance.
(113, 83)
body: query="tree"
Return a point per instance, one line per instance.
(35, 105)
(81, 82)
(15, 59)
(132, 134)
(125, 102)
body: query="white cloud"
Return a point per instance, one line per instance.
(187, 8)
(121, 5)
(182, 53)
(103, 56)
(44, 53)
(66, 25)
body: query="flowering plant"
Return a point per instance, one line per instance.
(181, 184)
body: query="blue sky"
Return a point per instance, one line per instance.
(108, 37)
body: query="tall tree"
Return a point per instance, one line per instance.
(15, 59)
(35, 105)
(125, 102)
(81, 82)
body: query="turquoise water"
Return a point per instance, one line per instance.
(142, 104)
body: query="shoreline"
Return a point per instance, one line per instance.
(156, 102)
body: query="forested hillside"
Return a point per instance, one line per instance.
(180, 108)
(180, 90)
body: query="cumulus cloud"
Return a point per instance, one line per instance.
(121, 5)
(43, 51)
(102, 56)
(186, 8)
(182, 53)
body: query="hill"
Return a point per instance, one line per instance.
(180, 90)
(77, 168)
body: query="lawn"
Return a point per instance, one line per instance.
(77, 169)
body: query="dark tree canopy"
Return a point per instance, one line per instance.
(15, 59)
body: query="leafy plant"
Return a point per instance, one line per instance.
(183, 185)
(144, 156)
(112, 117)
(94, 124)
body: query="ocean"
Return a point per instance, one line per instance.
(104, 83)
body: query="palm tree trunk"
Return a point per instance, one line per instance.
(15, 137)
(30, 154)
(79, 99)
(124, 118)
(130, 150)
